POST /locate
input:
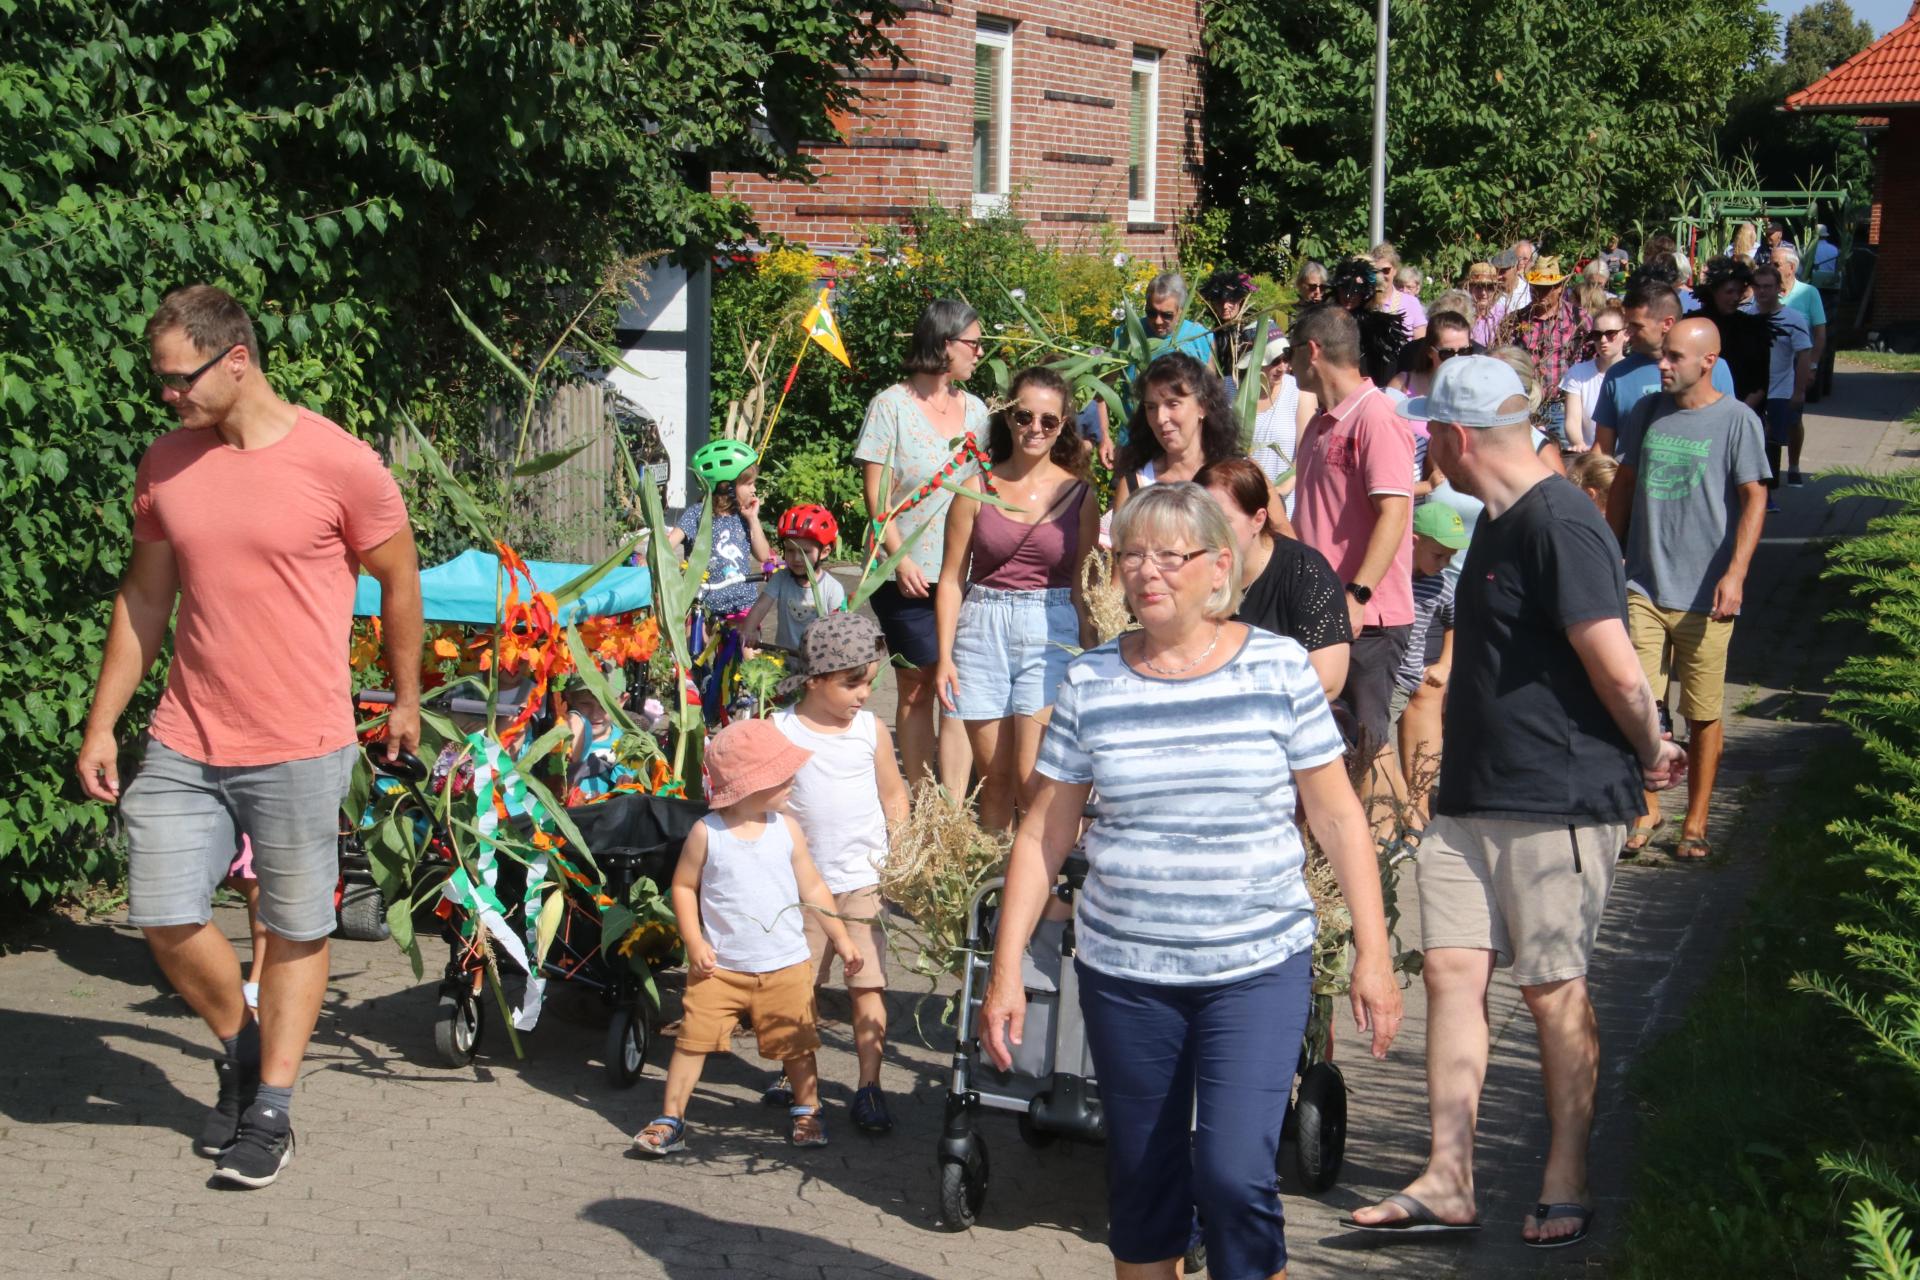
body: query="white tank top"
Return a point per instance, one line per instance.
(836, 800)
(749, 900)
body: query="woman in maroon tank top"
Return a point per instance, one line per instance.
(1005, 642)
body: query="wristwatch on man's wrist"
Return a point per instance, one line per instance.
(1360, 593)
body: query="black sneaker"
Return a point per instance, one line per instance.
(223, 1122)
(263, 1147)
(1795, 480)
(870, 1110)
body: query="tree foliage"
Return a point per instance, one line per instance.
(344, 167)
(1532, 117)
(1789, 149)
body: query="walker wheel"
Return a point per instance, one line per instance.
(457, 1026)
(1034, 1136)
(1321, 1134)
(963, 1187)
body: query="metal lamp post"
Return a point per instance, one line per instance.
(1378, 211)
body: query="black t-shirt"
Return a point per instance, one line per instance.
(1298, 595)
(1526, 735)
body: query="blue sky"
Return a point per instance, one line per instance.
(1885, 15)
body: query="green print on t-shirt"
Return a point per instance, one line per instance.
(1675, 466)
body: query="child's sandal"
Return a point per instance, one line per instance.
(663, 1136)
(809, 1127)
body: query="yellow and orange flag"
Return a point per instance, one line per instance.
(825, 330)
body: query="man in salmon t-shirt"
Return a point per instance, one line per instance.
(255, 514)
(1353, 504)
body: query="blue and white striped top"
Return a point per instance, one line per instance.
(1194, 860)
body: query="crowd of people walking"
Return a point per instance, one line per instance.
(1477, 546)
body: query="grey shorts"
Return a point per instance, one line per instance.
(1532, 892)
(183, 820)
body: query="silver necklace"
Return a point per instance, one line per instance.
(1157, 669)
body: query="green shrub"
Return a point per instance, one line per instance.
(341, 167)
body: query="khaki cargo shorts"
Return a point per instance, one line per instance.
(1689, 649)
(859, 910)
(1531, 891)
(779, 1004)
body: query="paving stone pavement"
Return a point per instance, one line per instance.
(520, 1168)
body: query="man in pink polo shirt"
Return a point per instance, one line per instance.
(254, 515)
(1353, 504)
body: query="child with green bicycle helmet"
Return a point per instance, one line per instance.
(728, 469)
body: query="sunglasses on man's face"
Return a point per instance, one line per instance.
(1313, 290)
(1157, 313)
(185, 381)
(1023, 418)
(1447, 353)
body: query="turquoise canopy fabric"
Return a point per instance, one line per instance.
(465, 589)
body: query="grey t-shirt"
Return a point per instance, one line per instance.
(793, 606)
(1688, 465)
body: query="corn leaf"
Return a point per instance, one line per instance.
(611, 356)
(540, 464)
(588, 672)
(980, 495)
(579, 586)
(871, 581)
(464, 504)
(1246, 403)
(479, 335)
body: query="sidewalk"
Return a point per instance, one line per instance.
(517, 1169)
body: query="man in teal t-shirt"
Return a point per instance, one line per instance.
(1651, 308)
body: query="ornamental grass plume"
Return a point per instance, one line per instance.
(1106, 602)
(939, 860)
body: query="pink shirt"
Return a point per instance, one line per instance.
(266, 543)
(1360, 448)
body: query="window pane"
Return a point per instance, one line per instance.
(1142, 127)
(986, 99)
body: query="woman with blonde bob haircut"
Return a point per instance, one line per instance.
(1192, 736)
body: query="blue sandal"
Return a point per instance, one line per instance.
(809, 1126)
(674, 1140)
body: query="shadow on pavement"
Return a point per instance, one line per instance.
(685, 1242)
(69, 1072)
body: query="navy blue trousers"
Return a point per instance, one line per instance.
(1232, 1049)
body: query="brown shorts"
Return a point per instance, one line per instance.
(1688, 649)
(859, 910)
(779, 1004)
(1530, 891)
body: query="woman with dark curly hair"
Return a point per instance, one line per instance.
(1182, 420)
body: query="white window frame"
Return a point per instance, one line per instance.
(998, 35)
(1147, 63)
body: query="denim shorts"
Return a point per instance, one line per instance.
(1011, 648)
(183, 820)
(1783, 415)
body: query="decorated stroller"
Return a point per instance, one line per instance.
(526, 886)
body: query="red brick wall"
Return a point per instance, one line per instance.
(1896, 223)
(1072, 67)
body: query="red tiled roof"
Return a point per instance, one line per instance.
(1884, 74)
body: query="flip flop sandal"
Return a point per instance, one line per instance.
(1693, 849)
(1545, 1213)
(1637, 841)
(1420, 1220)
(675, 1139)
(809, 1128)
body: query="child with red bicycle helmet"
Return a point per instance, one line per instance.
(728, 469)
(807, 534)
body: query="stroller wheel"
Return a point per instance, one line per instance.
(362, 914)
(1322, 1131)
(963, 1187)
(1195, 1263)
(626, 1050)
(1035, 1137)
(457, 1026)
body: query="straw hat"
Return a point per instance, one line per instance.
(1482, 273)
(1546, 272)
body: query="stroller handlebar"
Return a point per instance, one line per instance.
(407, 767)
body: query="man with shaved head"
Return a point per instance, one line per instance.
(1651, 307)
(1688, 504)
